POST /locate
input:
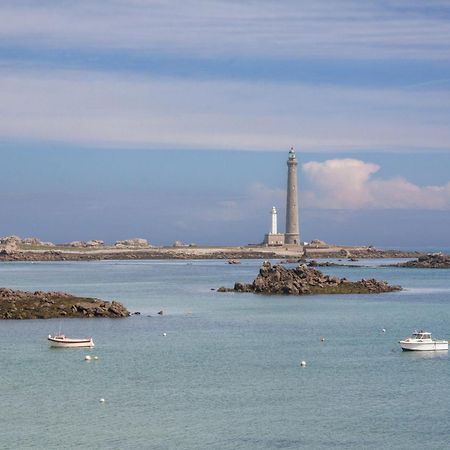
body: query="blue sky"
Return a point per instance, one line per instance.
(172, 120)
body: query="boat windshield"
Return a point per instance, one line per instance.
(422, 335)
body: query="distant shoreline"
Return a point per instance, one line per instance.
(290, 253)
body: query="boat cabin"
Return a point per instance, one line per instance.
(421, 335)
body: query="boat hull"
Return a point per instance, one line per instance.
(424, 346)
(70, 343)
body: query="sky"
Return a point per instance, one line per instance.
(172, 120)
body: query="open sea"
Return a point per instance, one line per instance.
(227, 373)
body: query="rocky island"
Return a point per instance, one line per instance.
(430, 261)
(14, 248)
(47, 305)
(303, 280)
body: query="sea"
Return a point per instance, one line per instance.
(223, 370)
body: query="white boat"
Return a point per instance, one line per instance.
(422, 341)
(59, 340)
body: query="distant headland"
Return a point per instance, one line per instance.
(14, 248)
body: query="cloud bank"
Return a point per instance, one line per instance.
(322, 28)
(350, 184)
(85, 107)
(207, 74)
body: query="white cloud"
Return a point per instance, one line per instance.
(93, 108)
(122, 110)
(320, 28)
(349, 184)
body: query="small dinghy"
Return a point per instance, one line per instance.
(421, 341)
(59, 340)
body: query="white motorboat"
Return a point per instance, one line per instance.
(422, 341)
(59, 340)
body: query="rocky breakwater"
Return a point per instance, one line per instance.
(304, 280)
(47, 305)
(431, 261)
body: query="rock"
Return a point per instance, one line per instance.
(233, 261)
(318, 243)
(45, 305)
(10, 249)
(76, 244)
(86, 244)
(314, 263)
(117, 309)
(31, 241)
(95, 243)
(13, 240)
(135, 242)
(304, 280)
(430, 261)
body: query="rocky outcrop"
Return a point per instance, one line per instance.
(367, 252)
(95, 243)
(47, 305)
(9, 245)
(75, 244)
(431, 261)
(8, 240)
(31, 241)
(304, 280)
(317, 243)
(16, 241)
(9, 249)
(291, 260)
(136, 242)
(86, 244)
(314, 263)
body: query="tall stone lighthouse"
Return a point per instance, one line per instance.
(292, 235)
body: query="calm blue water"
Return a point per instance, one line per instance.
(227, 375)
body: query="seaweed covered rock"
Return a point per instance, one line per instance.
(305, 280)
(46, 305)
(431, 261)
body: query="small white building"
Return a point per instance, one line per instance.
(274, 238)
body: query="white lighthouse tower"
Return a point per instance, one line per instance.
(274, 238)
(274, 221)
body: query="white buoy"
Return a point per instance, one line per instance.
(87, 358)
(322, 339)
(164, 334)
(383, 330)
(102, 400)
(303, 363)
